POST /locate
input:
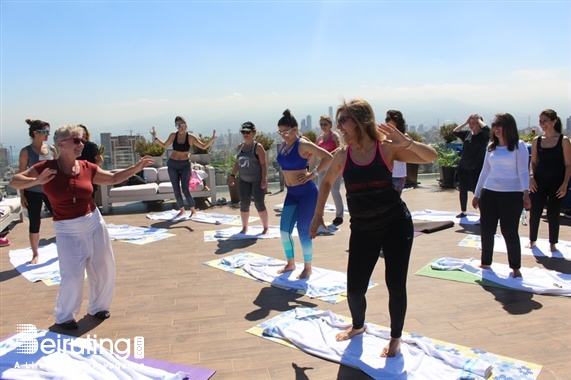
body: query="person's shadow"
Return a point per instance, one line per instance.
(272, 298)
(300, 372)
(514, 301)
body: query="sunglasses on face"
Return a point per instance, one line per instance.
(46, 131)
(245, 132)
(497, 124)
(285, 133)
(343, 119)
(180, 125)
(76, 140)
(324, 124)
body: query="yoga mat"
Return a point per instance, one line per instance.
(542, 248)
(22, 349)
(137, 235)
(534, 280)
(441, 216)
(430, 227)
(233, 264)
(202, 217)
(47, 269)
(455, 275)
(255, 232)
(502, 367)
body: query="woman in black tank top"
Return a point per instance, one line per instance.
(179, 164)
(379, 218)
(549, 172)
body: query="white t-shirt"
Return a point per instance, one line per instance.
(505, 171)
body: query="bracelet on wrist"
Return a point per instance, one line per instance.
(409, 144)
(314, 171)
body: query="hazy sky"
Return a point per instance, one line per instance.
(117, 66)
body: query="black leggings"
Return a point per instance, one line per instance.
(364, 249)
(505, 207)
(35, 201)
(546, 192)
(468, 179)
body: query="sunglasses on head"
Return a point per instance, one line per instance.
(285, 133)
(246, 132)
(46, 131)
(180, 125)
(343, 119)
(497, 124)
(76, 140)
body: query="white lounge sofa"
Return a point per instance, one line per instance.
(158, 187)
(10, 211)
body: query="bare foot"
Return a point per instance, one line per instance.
(192, 212)
(531, 244)
(553, 248)
(305, 273)
(517, 273)
(35, 260)
(287, 268)
(244, 230)
(180, 213)
(266, 231)
(349, 333)
(392, 349)
(485, 266)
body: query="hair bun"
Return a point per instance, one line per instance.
(29, 121)
(287, 113)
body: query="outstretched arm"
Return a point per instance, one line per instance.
(103, 177)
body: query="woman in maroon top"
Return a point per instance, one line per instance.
(379, 220)
(83, 242)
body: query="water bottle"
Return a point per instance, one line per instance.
(524, 218)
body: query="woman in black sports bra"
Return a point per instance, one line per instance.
(178, 163)
(380, 219)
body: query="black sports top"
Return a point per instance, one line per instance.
(181, 147)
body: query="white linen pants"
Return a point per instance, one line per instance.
(83, 244)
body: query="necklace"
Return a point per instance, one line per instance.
(69, 178)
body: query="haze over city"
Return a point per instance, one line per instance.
(122, 67)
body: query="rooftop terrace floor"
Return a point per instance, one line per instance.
(192, 314)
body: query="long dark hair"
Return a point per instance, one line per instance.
(509, 130)
(397, 117)
(552, 115)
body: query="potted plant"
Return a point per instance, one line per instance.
(448, 161)
(199, 155)
(412, 169)
(147, 148)
(447, 132)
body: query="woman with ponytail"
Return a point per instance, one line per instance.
(549, 173)
(33, 198)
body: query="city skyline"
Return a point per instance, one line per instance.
(126, 66)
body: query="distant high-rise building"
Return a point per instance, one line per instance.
(568, 126)
(308, 122)
(119, 150)
(331, 116)
(421, 128)
(302, 126)
(412, 128)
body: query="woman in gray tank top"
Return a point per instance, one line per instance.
(33, 197)
(253, 179)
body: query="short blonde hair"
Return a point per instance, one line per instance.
(66, 131)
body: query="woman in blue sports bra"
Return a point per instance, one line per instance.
(380, 219)
(178, 163)
(301, 190)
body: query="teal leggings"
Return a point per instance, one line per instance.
(299, 206)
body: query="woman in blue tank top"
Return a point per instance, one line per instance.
(33, 198)
(301, 190)
(379, 220)
(178, 163)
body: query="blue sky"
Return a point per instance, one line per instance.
(126, 65)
